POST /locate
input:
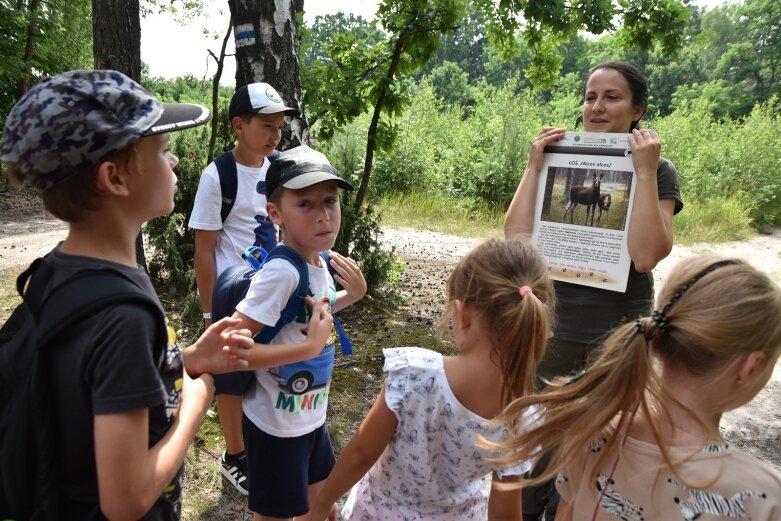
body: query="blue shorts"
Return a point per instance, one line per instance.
(235, 384)
(280, 470)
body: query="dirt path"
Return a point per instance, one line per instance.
(756, 427)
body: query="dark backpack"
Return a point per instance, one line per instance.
(233, 283)
(229, 179)
(28, 456)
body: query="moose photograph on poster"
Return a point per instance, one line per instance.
(583, 207)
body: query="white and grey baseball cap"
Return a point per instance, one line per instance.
(260, 98)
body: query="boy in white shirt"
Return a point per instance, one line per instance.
(289, 452)
(257, 115)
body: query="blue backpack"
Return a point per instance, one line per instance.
(233, 283)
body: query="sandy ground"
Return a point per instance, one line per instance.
(429, 256)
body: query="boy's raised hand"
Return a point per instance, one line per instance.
(320, 326)
(350, 277)
(212, 353)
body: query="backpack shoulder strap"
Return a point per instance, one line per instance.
(296, 302)
(229, 181)
(85, 293)
(344, 341)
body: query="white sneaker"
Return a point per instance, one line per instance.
(235, 471)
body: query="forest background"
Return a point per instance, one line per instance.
(454, 135)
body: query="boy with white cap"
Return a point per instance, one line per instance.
(257, 115)
(95, 144)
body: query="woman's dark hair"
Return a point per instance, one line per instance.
(638, 84)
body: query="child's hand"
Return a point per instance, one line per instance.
(349, 276)
(197, 394)
(318, 514)
(320, 326)
(217, 350)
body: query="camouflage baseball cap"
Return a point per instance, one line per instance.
(77, 119)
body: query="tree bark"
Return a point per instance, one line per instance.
(116, 44)
(24, 81)
(371, 141)
(216, 91)
(266, 35)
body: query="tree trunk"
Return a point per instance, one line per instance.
(371, 141)
(266, 34)
(116, 44)
(24, 81)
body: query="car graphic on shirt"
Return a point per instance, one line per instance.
(301, 377)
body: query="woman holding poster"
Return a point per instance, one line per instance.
(615, 98)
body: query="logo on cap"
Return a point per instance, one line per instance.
(273, 96)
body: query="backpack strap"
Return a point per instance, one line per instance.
(81, 295)
(229, 181)
(344, 342)
(71, 301)
(297, 301)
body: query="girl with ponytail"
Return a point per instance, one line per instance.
(414, 456)
(637, 434)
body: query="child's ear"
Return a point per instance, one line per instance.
(110, 179)
(463, 315)
(753, 363)
(273, 214)
(237, 124)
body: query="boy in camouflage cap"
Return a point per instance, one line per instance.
(95, 144)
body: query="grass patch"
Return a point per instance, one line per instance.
(717, 220)
(9, 298)
(442, 213)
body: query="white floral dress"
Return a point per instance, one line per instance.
(431, 468)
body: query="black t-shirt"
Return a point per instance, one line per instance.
(120, 359)
(585, 314)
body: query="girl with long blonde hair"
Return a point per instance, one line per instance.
(637, 434)
(414, 455)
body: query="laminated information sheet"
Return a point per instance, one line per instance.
(583, 206)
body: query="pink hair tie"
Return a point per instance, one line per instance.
(525, 290)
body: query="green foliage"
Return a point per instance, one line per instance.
(62, 41)
(170, 241)
(479, 156)
(546, 25)
(717, 219)
(451, 84)
(736, 160)
(360, 239)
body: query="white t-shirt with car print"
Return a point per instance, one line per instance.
(290, 400)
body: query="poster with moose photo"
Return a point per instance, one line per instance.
(583, 207)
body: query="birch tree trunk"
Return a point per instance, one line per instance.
(266, 34)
